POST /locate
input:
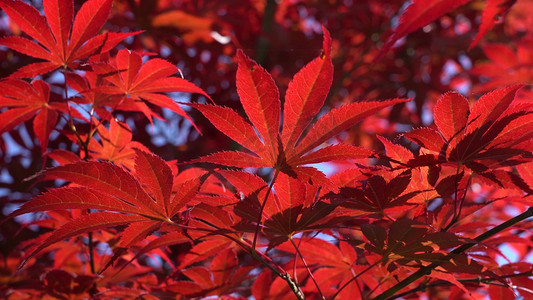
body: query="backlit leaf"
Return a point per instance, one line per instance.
(54, 31)
(451, 115)
(305, 97)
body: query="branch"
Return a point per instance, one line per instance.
(465, 281)
(263, 42)
(427, 269)
(260, 257)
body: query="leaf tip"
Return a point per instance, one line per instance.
(326, 44)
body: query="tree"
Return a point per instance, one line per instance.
(266, 149)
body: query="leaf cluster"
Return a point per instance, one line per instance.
(294, 190)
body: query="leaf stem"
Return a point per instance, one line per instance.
(306, 267)
(456, 210)
(91, 252)
(69, 109)
(260, 257)
(355, 277)
(427, 269)
(256, 234)
(85, 147)
(461, 204)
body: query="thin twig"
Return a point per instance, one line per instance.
(427, 269)
(306, 267)
(260, 217)
(85, 149)
(355, 277)
(465, 281)
(457, 208)
(261, 257)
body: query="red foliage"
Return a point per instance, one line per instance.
(322, 193)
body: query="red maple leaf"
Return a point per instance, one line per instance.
(292, 207)
(287, 150)
(86, 86)
(24, 101)
(144, 200)
(131, 80)
(332, 265)
(115, 145)
(495, 132)
(430, 183)
(61, 42)
(219, 279)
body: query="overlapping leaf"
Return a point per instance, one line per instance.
(24, 101)
(332, 265)
(60, 42)
(294, 206)
(87, 85)
(144, 200)
(378, 192)
(407, 240)
(218, 279)
(494, 132)
(115, 145)
(288, 149)
(132, 81)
